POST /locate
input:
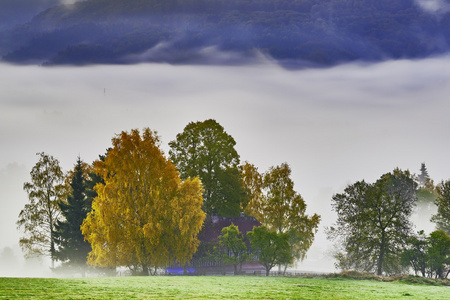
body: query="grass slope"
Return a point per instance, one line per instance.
(218, 287)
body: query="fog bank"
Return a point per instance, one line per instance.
(333, 126)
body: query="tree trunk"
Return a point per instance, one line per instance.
(235, 269)
(145, 270)
(381, 256)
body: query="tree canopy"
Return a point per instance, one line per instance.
(39, 216)
(442, 217)
(232, 246)
(276, 204)
(373, 221)
(206, 150)
(144, 216)
(72, 248)
(270, 247)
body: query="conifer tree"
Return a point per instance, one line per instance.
(73, 249)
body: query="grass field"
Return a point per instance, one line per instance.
(215, 287)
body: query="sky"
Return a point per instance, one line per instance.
(333, 126)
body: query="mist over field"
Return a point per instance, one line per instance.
(334, 126)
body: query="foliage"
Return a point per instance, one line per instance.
(271, 248)
(423, 176)
(205, 150)
(373, 221)
(232, 246)
(72, 248)
(415, 254)
(442, 218)
(438, 254)
(39, 216)
(144, 216)
(276, 204)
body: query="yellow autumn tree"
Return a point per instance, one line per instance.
(275, 203)
(144, 216)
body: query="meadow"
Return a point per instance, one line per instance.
(216, 287)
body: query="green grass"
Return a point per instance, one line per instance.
(215, 287)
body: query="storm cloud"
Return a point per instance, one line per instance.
(333, 126)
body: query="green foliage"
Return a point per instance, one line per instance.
(39, 216)
(232, 246)
(373, 222)
(415, 254)
(442, 218)
(438, 254)
(206, 151)
(276, 204)
(270, 248)
(72, 248)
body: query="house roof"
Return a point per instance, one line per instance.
(212, 226)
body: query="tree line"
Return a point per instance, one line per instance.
(134, 207)
(373, 231)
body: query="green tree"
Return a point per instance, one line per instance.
(279, 207)
(439, 254)
(373, 221)
(442, 218)
(270, 248)
(39, 216)
(72, 248)
(232, 246)
(144, 216)
(205, 150)
(423, 176)
(415, 254)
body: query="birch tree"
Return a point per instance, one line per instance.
(144, 216)
(39, 216)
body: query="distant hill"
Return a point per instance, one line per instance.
(317, 32)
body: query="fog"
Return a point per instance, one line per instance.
(333, 126)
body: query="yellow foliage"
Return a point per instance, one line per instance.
(144, 214)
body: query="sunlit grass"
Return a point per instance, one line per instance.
(215, 287)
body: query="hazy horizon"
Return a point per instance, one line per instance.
(333, 126)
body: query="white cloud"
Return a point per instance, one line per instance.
(434, 6)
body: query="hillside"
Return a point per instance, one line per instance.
(320, 32)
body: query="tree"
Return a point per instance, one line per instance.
(73, 249)
(426, 193)
(439, 254)
(232, 246)
(144, 216)
(442, 218)
(253, 183)
(271, 248)
(39, 216)
(423, 176)
(205, 150)
(373, 221)
(415, 254)
(279, 207)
